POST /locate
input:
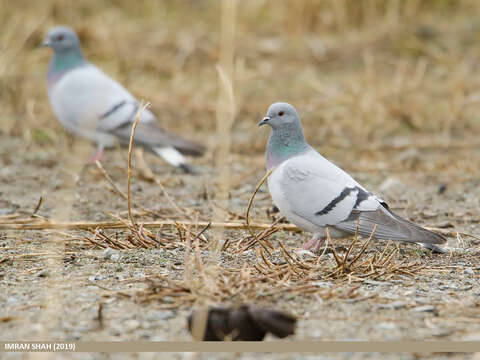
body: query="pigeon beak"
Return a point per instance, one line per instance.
(45, 43)
(265, 120)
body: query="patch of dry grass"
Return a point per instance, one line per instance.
(355, 70)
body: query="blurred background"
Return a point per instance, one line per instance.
(359, 72)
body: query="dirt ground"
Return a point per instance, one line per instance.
(392, 99)
(440, 301)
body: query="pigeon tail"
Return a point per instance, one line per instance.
(170, 155)
(187, 147)
(389, 227)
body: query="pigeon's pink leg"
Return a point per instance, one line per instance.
(317, 242)
(97, 156)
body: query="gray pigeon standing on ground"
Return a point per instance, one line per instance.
(314, 194)
(90, 104)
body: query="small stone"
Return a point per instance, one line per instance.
(158, 338)
(43, 273)
(4, 211)
(305, 253)
(12, 300)
(110, 254)
(322, 284)
(442, 332)
(425, 308)
(386, 326)
(393, 305)
(442, 188)
(469, 271)
(131, 325)
(106, 253)
(97, 277)
(168, 300)
(376, 283)
(160, 315)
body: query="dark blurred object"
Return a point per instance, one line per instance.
(442, 188)
(426, 32)
(246, 323)
(272, 210)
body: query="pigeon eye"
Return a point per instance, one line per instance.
(59, 37)
(280, 113)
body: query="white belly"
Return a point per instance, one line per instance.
(79, 114)
(280, 201)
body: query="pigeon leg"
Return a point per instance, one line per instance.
(97, 156)
(317, 242)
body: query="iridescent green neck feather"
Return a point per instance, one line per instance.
(63, 62)
(285, 142)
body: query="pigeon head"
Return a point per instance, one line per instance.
(67, 54)
(286, 139)
(62, 39)
(281, 115)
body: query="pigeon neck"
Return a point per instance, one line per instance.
(63, 62)
(284, 143)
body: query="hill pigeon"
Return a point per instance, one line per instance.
(313, 193)
(92, 105)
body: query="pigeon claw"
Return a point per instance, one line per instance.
(315, 244)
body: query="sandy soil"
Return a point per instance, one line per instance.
(41, 300)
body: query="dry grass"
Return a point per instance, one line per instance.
(285, 272)
(332, 59)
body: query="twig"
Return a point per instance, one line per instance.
(129, 163)
(37, 207)
(110, 180)
(201, 232)
(85, 225)
(247, 216)
(169, 199)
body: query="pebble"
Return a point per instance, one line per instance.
(106, 253)
(469, 271)
(131, 325)
(393, 305)
(442, 332)
(425, 308)
(373, 282)
(160, 315)
(110, 254)
(302, 253)
(97, 277)
(43, 273)
(386, 326)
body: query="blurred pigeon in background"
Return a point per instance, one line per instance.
(313, 193)
(90, 104)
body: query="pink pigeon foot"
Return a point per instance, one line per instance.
(316, 242)
(97, 156)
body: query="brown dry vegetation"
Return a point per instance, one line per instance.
(387, 89)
